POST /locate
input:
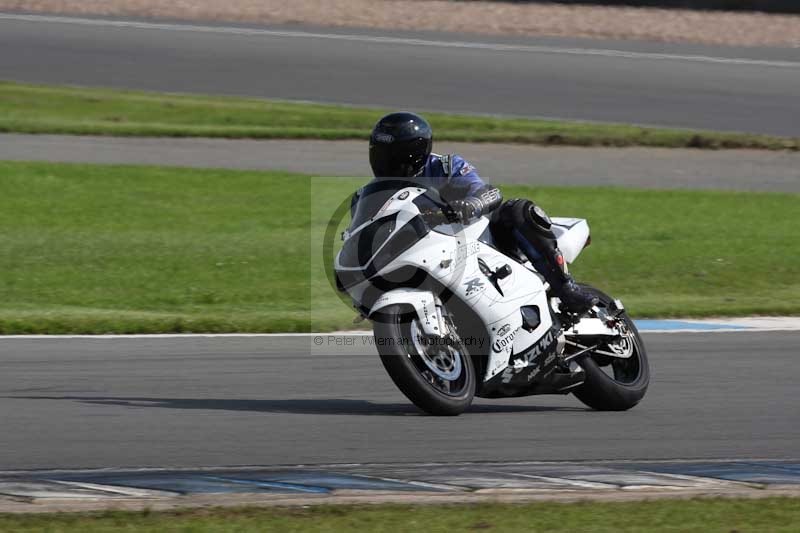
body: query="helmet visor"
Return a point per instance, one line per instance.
(403, 159)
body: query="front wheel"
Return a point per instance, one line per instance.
(437, 376)
(615, 384)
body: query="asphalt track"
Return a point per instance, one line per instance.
(199, 402)
(745, 170)
(236, 401)
(742, 89)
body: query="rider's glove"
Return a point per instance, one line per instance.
(486, 199)
(463, 210)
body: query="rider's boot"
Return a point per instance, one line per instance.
(550, 263)
(574, 298)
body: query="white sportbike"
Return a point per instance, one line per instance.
(454, 317)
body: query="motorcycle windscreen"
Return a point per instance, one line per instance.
(370, 198)
(365, 248)
(364, 244)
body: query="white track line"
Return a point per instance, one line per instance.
(325, 335)
(187, 335)
(498, 47)
(131, 492)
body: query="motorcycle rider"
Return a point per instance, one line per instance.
(400, 147)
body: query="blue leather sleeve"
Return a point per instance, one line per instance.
(464, 177)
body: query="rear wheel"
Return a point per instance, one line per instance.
(613, 383)
(437, 375)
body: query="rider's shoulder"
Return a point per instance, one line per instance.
(451, 164)
(439, 164)
(460, 166)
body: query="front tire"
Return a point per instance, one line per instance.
(438, 382)
(627, 382)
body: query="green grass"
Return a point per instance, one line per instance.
(127, 249)
(82, 111)
(698, 515)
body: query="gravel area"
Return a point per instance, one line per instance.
(669, 25)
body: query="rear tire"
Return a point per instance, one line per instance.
(631, 378)
(412, 375)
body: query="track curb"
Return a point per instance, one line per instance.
(423, 483)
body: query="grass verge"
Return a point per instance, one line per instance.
(131, 249)
(83, 111)
(698, 515)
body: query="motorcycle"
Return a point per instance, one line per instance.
(455, 317)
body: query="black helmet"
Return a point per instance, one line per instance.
(400, 145)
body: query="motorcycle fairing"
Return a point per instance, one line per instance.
(535, 371)
(453, 255)
(572, 235)
(453, 260)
